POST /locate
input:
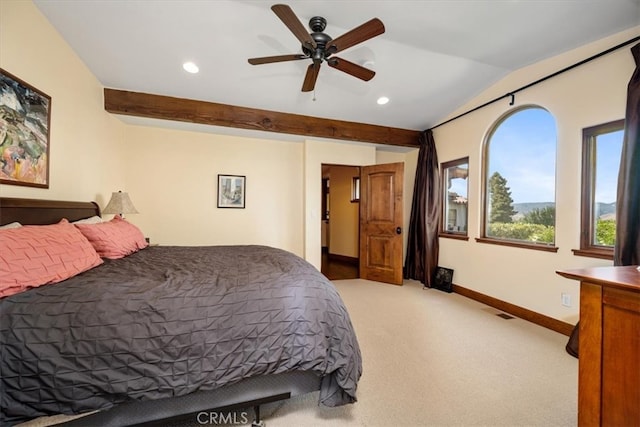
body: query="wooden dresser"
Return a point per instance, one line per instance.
(609, 345)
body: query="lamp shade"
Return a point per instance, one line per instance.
(120, 203)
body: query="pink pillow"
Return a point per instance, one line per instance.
(114, 239)
(35, 255)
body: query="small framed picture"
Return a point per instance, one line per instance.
(231, 191)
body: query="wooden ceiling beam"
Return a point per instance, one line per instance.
(210, 113)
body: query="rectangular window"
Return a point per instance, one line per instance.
(455, 184)
(355, 189)
(601, 152)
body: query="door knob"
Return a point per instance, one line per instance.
(398, 230)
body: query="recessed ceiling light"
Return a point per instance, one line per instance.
(382, 100)
(190, 67)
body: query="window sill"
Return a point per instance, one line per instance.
(522, 245)
(454, 236)
(594, 253)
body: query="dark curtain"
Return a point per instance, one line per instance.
(627, 249)
(422, 246)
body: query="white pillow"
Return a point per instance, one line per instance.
(92, 220)
(10, 225)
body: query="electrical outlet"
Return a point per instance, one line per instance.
(566, 299)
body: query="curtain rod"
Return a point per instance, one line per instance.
(512, 93)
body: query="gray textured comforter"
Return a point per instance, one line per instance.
(169, 321)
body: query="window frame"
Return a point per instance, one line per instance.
(460, 235)
(587, 186)
(355, 189)
(325, 199)
(523, 244)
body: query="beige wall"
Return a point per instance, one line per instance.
(172, 179)
(171, 176)
(588, 95)
(84, 139)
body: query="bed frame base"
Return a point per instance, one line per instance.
(255, 404)
(248, 393)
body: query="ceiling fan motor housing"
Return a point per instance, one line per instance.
(317, 25)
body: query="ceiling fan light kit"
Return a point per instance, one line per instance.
(319, 46)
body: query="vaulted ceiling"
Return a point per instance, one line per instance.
(434, 55)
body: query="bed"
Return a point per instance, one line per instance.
(169, 331)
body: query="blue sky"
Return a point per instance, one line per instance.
(529, 136)
(459, 185)
(609, 147)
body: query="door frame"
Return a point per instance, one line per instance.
(389, 273)
(315, 153)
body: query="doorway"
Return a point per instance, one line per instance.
(340, 221)
(362, 221)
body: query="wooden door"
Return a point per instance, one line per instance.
(381, 222)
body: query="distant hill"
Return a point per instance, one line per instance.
(602, 209)
(605, 209)
(524, 208)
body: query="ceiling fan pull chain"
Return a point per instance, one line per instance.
(314, 95)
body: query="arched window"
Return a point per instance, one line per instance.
(519, 183)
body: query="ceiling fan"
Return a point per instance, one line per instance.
(319, 46)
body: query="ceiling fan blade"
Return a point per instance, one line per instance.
(311, 77)
(351, 68)
(368, 30)
(286, 15)
(278, 58)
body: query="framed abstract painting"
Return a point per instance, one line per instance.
(25, 119)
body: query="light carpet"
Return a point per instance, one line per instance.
(437, 359)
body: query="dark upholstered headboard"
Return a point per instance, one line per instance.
(41, 212)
